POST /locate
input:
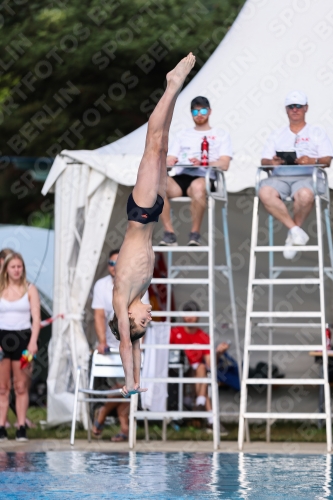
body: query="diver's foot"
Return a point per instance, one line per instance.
(177, 76)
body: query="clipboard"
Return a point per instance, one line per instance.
(288, 157)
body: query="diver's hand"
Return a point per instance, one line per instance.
(128, 392)
(139, 389)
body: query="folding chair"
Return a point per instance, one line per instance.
(102, 366)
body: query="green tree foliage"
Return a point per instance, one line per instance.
(79, 74)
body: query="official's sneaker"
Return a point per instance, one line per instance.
(21, 434)
(200, 408)
(296, 236)
(194, 240)
(168, 240)
(223, 430)
(289, 254)
(299, 236)
(3, 434)
(198, 423)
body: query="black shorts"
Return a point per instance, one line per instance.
(14, 342)
(144, 215)
(184, 181)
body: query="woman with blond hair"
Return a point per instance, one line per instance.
(19, 302)
(3, 254)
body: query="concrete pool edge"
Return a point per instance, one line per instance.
(41, 445)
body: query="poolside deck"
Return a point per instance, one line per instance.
(39, 445)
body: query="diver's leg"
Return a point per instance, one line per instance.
(152, 174)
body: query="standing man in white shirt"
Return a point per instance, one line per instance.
(103, 312)
(189, 181)
(102, 305)
(312, 146)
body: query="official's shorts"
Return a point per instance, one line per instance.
(184, 181)
(288, 186)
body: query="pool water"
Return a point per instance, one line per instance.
(162, 476)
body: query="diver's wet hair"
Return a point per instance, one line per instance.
(134, 334)
(113, 252)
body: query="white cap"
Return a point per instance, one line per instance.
(296, 97)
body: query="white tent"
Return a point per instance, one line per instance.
(273, 47)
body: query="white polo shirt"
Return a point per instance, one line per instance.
(102, 299)
(311, 141)
(187, 145)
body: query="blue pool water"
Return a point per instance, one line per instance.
(163, 476)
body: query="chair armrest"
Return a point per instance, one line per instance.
(96, 392)
(221, 189)
(263, 168)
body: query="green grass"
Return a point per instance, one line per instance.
(282, 431)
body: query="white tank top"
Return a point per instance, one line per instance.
(15, 314)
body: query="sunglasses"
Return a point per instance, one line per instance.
(297, 106)
(202, 111)
(112, 262)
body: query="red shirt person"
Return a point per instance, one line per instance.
(183, 335)
(198, 359)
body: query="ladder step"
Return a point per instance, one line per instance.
(285, 381)
(178, 380)
(289, 325)
(197, 268)
(176, 347)
(296, 268)
(186, 249)
(104, 400)
(96, 392)
(178, 323)
(296, 416)
(180, 281)
(188, 268)
(312, 281)
(180, 314)
(309, 248)
(286, 314)
(160, 415)
(285, 347)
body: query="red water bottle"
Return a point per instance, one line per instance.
(204, 152)
(328, 337)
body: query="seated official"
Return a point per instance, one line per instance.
(199, 360)
(187, 181)
(312, 146)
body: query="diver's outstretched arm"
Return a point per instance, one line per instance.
(126, 349)
(136, 362)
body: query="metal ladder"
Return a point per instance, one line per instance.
(172, 279)
(272, 317)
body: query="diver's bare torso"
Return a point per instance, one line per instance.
(135, 264)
